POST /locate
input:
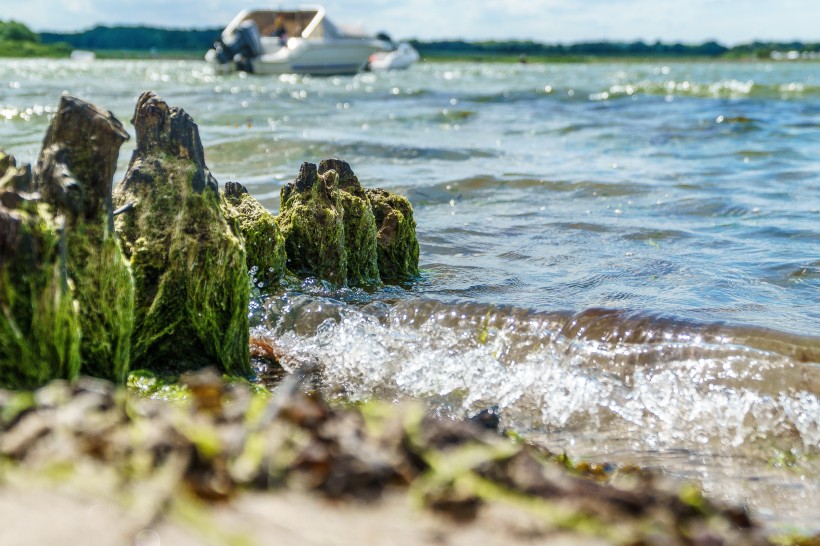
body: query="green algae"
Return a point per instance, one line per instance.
(311, 220)
(189, 269)
(39, 330)
(188, 261)
(398, 247)
(148, 384)
(339, 231)
(360, 241)
(238, 443)
(264, 243)
(359, 225)
(105, 293)
(39, 320)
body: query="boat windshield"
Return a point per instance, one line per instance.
(332, 30)
(294, 23)
(304, 23)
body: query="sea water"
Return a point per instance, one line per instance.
(622, 257)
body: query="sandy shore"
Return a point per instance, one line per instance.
(39, 515)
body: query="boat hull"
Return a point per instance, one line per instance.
(322, 58)
(399, 59)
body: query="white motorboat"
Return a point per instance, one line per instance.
(299, 41)
(400, 58)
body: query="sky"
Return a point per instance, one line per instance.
(549, 21)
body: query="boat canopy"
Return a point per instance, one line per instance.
(308, 23)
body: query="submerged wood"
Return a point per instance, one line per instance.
(164, 284)
(337, 230)
(187, 259)
(264, 243)
(311, 218)
(398, 246)
(74, 175)
(39, 321)
(359, 224)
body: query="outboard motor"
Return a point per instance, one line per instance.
(248, 39)
(224, 53)
(245, 44)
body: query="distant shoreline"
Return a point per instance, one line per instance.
(499, 59)
(139, 42)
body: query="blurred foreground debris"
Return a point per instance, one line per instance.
(227, 440)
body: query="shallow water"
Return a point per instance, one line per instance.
(623, 257)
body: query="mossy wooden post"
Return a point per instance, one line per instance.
(337, 230)
(311, 218)
(188, 260)
(398, 246)
(359, 224)
(264, 244)
(39, 321)
(74, 174)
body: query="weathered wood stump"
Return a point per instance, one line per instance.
(359, 224)
(175, 295)
(337, 230)
(74, 175)
(264, 243)
(311, 218)
(39, 321)
(188, 260)
(396, 239)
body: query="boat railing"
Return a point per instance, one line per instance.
(315, 23)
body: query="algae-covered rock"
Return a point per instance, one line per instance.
(39, 321)
(74, 175)
(359, 224)
(264, 244)
(188, 262)
(398, 246)
(311, 219)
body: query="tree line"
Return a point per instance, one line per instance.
(637, 49)
(17, 40)
(143, 38)
(136, 38)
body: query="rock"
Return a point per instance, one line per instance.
(188, 260)
(74, 175)
(398, 247)
(312, 222)
(264, 244)
(39, 321)
(359, 225)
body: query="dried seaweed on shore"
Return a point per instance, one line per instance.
(225, 439)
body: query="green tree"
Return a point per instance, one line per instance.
(12, 31)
